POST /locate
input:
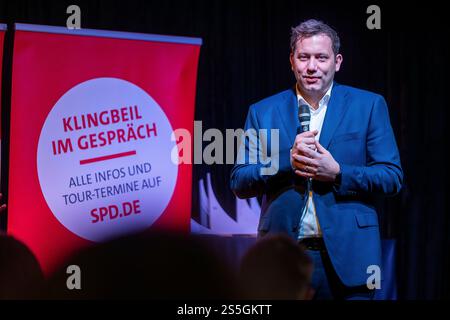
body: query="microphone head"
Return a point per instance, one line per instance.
(304, 116)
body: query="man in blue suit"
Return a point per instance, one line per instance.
(323, 191)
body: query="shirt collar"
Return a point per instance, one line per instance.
(322, 103)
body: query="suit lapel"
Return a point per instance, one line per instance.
(335, 111)
(289, 114)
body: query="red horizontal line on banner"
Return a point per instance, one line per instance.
(112, 156)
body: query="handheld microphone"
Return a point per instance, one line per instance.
(304, 116)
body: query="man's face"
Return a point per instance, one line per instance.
(314, 64)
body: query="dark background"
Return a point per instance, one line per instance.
(244, 58)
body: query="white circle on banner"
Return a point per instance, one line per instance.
(104, 159)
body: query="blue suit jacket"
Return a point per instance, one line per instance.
(358, 134)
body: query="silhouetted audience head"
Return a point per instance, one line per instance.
(20, 274)
(156, 266)
(276, 267)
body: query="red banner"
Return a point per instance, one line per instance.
(2, 38)
(92, 118)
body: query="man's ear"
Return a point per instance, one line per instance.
(339, 58)
(291, 60)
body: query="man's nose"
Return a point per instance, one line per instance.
(312, 65)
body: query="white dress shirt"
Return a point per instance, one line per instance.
(309, 224)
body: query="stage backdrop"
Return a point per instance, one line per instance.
(92, 117)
